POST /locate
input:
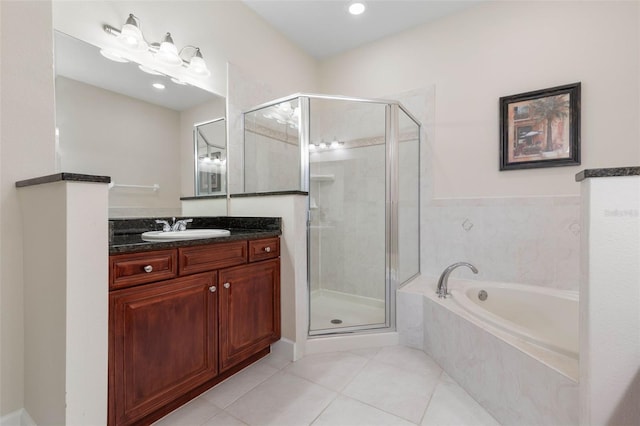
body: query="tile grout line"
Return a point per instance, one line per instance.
(438, 383)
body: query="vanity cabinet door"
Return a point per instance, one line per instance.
(163, 343)
(249, 310)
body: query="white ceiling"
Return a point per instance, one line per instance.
(324, 28)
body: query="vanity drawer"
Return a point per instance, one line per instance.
(210, 257)
(127, 270)
(268, 248)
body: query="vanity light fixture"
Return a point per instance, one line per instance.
(356, 8)
(168, 52)
(164, 53)
(131, 36)
(197, 66)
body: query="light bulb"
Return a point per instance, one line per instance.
(168, 52)
(131, 37)
(322, 145)
(198, 66)
(356, 8)
(158, 86)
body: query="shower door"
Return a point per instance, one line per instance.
(348, 225)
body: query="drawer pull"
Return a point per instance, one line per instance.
(227, 285)
(212, 289)
(267, 249)
(148, 268)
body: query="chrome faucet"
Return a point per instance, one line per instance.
(177, 225)
(180, 225)
(442, 290)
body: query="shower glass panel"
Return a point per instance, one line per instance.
(272, 148)
(347, 227)
(408, 197)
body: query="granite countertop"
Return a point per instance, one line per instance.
(126, 233)
(608, 172)
(129, 243)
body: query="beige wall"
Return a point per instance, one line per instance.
(26, 150)
(503, 48)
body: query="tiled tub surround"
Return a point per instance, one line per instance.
(124, 234)
(528, 240)
(517, 382)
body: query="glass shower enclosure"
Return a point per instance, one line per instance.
(358, 160)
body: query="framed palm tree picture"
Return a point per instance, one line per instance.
(540, 128)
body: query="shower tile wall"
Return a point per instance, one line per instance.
(345, 209)
(268, 164)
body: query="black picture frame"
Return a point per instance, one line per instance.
(540, 128)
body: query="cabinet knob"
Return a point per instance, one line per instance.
(148, 268)
(227, 285)
(212, 289)
(267, 249)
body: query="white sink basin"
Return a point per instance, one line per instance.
(189, 234)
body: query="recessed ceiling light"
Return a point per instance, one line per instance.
(158, 86)
(356, 8)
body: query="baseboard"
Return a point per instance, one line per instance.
(17, 418)
(350, 342)
(284, 348)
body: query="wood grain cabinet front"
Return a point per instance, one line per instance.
(164, 343)
(249, 310)
(126, 270)
(182, 320)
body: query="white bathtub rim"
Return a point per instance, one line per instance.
(459, 295)
(562, 364)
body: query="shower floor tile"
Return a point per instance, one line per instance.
(394, 385)
(350, 310)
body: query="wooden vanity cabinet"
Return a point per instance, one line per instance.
(164, 339)
(171, 339)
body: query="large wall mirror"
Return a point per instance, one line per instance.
(113, 119)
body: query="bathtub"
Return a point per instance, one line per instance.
(516, 352)
(541, 316)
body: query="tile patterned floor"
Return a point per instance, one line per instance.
(394, 385)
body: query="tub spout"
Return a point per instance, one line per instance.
(442, 289)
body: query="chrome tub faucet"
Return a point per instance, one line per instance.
(442, 289)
